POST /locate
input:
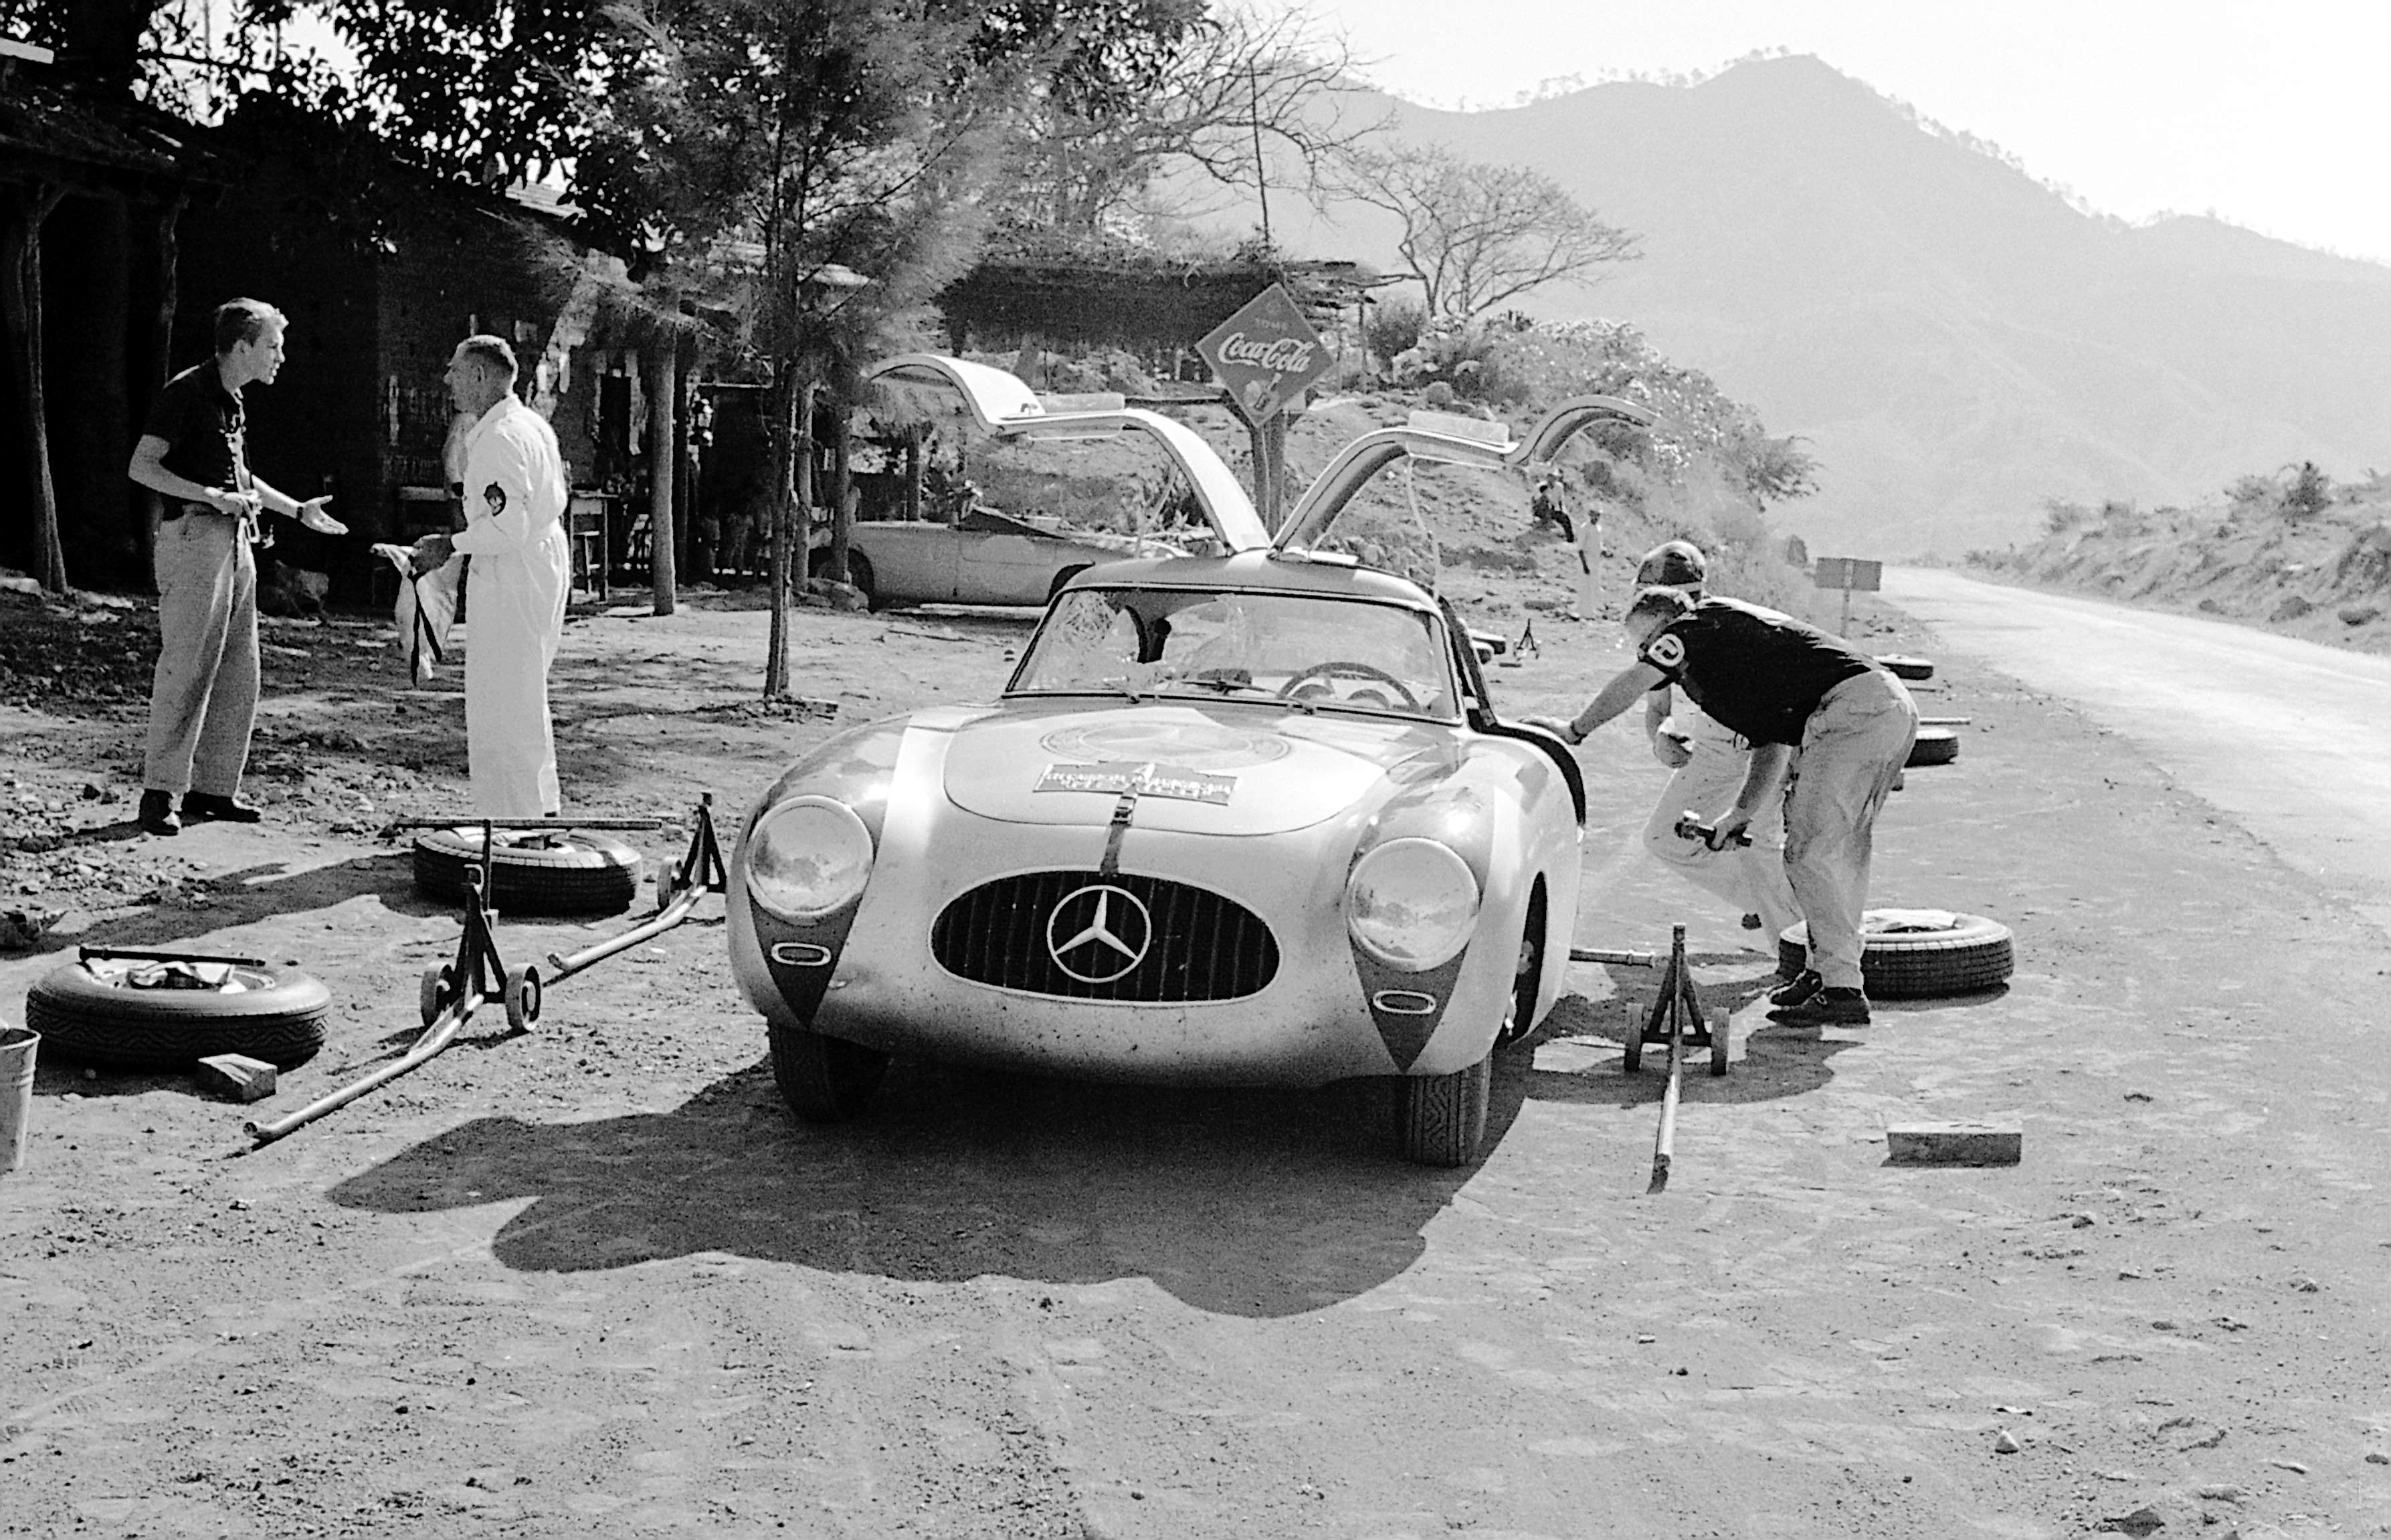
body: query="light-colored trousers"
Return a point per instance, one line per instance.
(1852, 749)
(514, 615)
(1750, 878)
(203, 699)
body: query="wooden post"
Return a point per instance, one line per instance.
(664, 439)
(913, 431)
(21, 302)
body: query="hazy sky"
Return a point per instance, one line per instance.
(2274, 114)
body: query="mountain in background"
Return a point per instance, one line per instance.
(1954, 340)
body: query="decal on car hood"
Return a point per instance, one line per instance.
(1149, 778)
(1194, 770)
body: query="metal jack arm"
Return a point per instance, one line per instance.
(451, 995)
(701, 872)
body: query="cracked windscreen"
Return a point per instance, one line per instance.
(1306, 650)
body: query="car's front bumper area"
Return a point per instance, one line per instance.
(886, 986)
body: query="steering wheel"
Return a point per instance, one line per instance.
(1346, 668)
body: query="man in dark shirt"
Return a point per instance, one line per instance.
(203, 699)
(1790, 690)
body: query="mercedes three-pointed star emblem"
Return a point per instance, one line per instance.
(1098, 933)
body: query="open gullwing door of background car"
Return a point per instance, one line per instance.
(1439, 437)
(1572, 417)
(1001, 403)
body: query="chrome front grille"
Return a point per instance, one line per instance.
(1197, 945)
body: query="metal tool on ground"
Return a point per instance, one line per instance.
(1675, 1019)
(450, 996)
(1689, 826)
(701, 872)
(135, 954)
(451, 992)
(1945, 721)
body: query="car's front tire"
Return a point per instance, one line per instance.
(1444, 1116)
(825, 1079)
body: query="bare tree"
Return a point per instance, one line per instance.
(1231, 90)
(1476, 235)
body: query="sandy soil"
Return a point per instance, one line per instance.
(595, 1281)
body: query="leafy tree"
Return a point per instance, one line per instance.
(1220, 89)
(830, 158)
(1478, 236)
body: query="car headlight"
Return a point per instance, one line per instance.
(808, 857)
(1411, 903)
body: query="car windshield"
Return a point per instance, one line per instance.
(1307, 650)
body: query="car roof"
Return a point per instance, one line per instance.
(1259, 572)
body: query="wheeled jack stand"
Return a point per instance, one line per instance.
(450, 996)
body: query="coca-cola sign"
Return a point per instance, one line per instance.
(1265, 354)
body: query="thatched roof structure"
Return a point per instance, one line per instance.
(1135, 303)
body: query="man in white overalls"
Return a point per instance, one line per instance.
(516, 582)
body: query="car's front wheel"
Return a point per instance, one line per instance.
(1444, 1116)
(825, 1079)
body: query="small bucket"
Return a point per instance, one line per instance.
(16, 1047)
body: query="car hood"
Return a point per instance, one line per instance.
(1226, 769)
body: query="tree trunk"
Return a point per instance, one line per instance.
(842, 481)
(664, 453)
(21, 298)
(790, 408)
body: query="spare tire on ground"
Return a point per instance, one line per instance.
(131, 1014)
(1935, 745)
(532, 870)
(1902, 668)
(1917, 953)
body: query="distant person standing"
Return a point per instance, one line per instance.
(516, 578)
(193, 453)
(1587, 537)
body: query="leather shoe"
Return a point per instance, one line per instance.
(1793, 992)
(158, 814)
(208, 807)
(1828, 1007)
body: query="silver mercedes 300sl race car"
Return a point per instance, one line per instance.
(1237, 819)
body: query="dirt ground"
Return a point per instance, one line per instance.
(595, 1281)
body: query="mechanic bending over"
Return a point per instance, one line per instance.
(1711, 762)
(1788, 688)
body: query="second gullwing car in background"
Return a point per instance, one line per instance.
(1242, 819)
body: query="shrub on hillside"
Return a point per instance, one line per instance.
(2059, 515)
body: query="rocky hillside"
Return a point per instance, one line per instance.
(1952, 340)
(2292, 553)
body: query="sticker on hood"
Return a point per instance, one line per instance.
(1175, 781)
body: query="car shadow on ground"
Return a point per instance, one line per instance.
(1255, 1203)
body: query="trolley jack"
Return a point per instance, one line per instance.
(451, 992)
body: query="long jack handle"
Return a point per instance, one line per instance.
(701, 872)
(472, 976)
(1677, 998)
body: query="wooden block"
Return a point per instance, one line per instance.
(1955, 1145)
(236, 1077)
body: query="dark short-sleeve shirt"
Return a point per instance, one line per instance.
(1758, 673)
(202, 424)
